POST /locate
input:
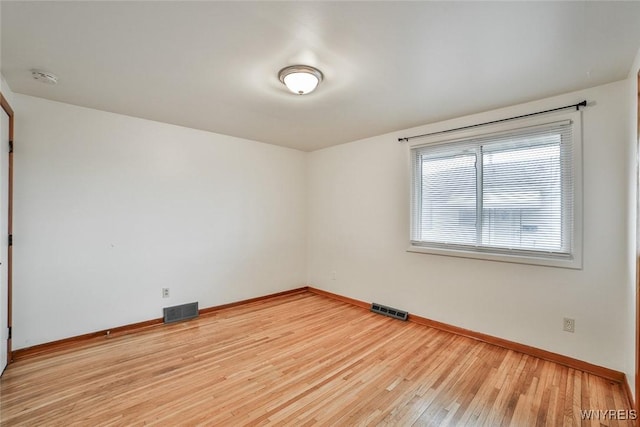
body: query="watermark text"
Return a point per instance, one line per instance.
(608, 414)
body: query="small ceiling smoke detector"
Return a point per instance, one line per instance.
(300, 79)
(44, 77)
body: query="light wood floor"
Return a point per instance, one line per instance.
(298, 360)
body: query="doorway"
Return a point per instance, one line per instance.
(6, 196)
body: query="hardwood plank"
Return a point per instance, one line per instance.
(299, 359)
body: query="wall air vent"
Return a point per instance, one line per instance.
(180, 312)
(388, 311)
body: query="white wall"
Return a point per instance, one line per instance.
(358, 204)
(109, 209)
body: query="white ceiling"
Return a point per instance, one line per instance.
(387, 65)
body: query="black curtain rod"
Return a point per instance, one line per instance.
(576, 106)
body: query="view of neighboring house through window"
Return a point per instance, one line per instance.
(509, 193)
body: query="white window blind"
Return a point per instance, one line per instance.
(509, 192)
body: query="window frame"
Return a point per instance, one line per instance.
(572, 261)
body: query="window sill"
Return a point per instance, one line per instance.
(573, 263)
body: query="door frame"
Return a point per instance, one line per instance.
(7, 108)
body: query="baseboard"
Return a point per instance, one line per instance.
(67, 343)
(331, 295)
(210, 310)
(560, 359)
(70, 342)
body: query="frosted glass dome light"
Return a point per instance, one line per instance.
(300, 79)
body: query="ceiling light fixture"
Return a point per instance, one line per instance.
(44, 77)
(300, 79)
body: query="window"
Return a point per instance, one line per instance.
(507, 195)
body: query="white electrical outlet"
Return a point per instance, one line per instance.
(165, 292)
(334, 275)
(568, 324)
